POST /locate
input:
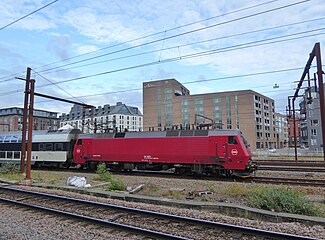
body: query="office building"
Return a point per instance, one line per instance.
(167, 104)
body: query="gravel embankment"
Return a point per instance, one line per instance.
(292, 228)
(17, 224)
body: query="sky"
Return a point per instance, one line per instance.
(101, 51)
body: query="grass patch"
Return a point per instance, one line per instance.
(282, 200)
(117, 185)
(12, 176)
(176, 194)
(212, 187)
(236, 190)
(151, 189)
(9, 168)
(53, 181)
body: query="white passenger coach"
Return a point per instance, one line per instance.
(52, 147)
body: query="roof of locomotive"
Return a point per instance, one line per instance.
(162, 134)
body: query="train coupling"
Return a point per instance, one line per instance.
(252, 166)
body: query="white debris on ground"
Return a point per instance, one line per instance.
(76, 181)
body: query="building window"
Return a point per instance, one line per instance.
(185, 113)
(159, 107)
(313, 142)
(217, 112)
(228, 112)
(199, 109)
(237, 115)
(314, 122)
(168, 107)
(313, 132)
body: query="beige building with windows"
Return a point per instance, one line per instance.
(167, 104)
(119, 118)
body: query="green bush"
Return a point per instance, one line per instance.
(282, 200)
(117, 184)
(9, 168)
(103, 174)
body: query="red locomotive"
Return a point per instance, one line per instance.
(222, 152)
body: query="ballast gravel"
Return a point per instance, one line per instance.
(18, 224)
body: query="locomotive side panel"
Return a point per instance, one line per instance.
(153, 150)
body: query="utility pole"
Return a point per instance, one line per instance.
(294, 129)
(315, 54)
(23, 137)
(321, 90)
(30, 130)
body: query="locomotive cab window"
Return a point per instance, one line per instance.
(79, 142)
(232, 140)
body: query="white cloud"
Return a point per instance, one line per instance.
(102, 28)
(83, 49)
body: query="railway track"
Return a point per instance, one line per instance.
(295, 166)
(141, 223)
(290, 181)
(292, 163)
(256, 179)
(291, 169)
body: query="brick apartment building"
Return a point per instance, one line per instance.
(167, 104)
(11, 119)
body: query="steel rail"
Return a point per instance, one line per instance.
(293, 169)
(133, 229)
(229, 227)
(292, 181)
(290, 163)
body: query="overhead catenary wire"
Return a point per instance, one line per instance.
(148, 64)
(182, 34)
(185, 33)
(169, 48)
(183, 45)
(151, 35)
(15, 91)
(25, 16)
(188, 56)
(196, 81)
(57, 86)
(165, 31)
